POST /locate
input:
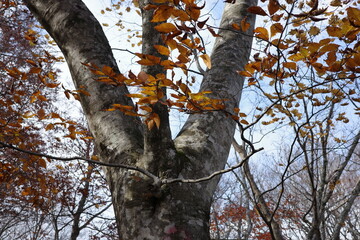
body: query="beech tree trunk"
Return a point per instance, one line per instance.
(143, 210)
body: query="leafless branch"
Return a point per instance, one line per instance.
(68, 159)
(157, 180)
(214, 174)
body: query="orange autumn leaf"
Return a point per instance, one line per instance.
(156, 119)
(162, 13)
(35, 70)
(276, 28)
(289, 65)
(244, 73)
(354, 16)
(162, 50)
(244, 25)
(262, 33)
(273, 6)
(166, 28)
(236, 26)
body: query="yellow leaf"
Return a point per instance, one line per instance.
(134, 95)
(329, 47)
(146, 108)
(59, 167)
(146, 62)
(206, 60)
(354, 15)
(236, 118)
(162, 13)
(193, 12)
(336, 3)
(276, 28)
(162, 50)
(120, 106)
(314, 31)
(184, 59)
(107, 70)
(41, 114)
(290, 65)
(166, 83)
(236, 26)
(180, 15)
(296, 57)
(166, 28)
(184, 88)
(244, 73)
(262, 33)
(334, 31)
(28, 115)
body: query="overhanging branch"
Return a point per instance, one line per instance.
(68, 159)
(157, 181)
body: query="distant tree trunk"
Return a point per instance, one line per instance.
(259, 201)
(76, 228)
(143, 211)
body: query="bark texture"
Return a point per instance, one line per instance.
(145, 211)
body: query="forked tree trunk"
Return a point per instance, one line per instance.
(143, 211)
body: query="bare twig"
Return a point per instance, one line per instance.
(157, 180)
(68, 159)
(214, 174)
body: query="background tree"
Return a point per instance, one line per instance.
(308, 78)
(38, 199)
(22, 176)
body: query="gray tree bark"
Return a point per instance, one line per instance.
(144, 211)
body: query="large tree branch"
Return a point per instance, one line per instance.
(206, 138)
(81, 39)
(158, 144)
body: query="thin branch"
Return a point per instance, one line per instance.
(157, 181)
(143, 171)
(196, 56)
(214, 174)
(124, 50)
